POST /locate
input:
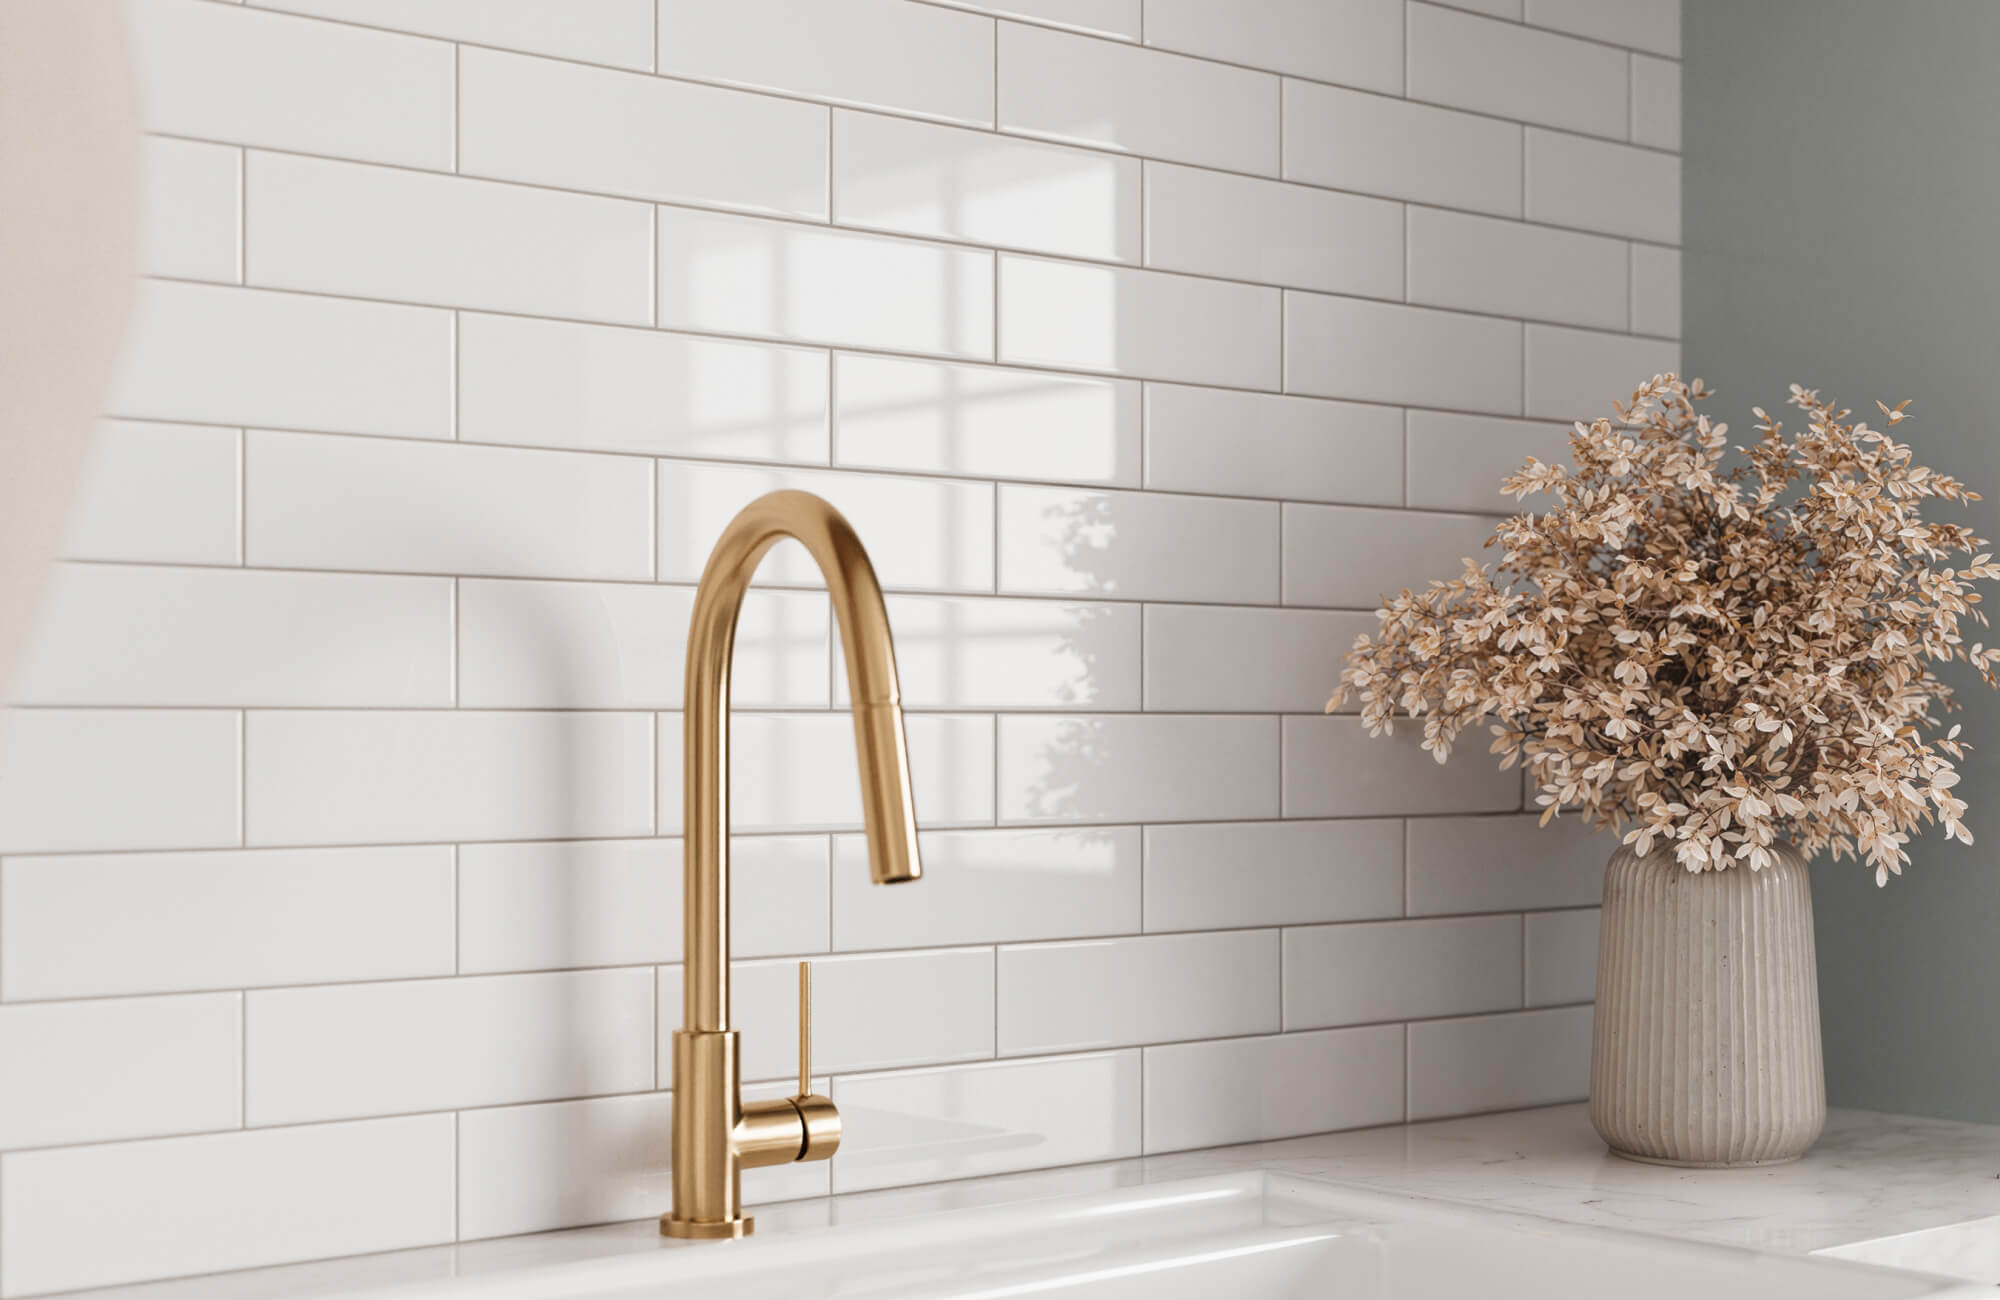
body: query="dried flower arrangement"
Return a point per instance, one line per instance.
(1716, 658)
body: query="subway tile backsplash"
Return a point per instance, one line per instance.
(1144, 343)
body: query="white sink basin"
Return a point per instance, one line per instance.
(1252, 1236)
(1962, 1250)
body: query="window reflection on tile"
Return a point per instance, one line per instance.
(983, 653)
(1159, 767)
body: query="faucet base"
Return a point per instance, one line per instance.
(696, 1230)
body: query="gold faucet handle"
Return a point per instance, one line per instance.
(805, 1029)
(817, 1114)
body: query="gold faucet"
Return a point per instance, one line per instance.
(716, 1134)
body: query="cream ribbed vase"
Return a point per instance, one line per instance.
(1706, 1050)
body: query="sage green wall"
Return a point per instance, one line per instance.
(1842, 228)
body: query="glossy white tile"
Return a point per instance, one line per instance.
(618, 32)
(999, 886)
(441, 508)
(1236, 874)
(931, 534)
(236, 356)
(1507, 268)
(1356, 43)
(934, 417)
(963, 1121)
(621, 645)
(559, 384)
(1618, 189)
(904, 58)
(1530, 1058)
(1130, 768)
(1353, 557)
(1143, 323)
(1258, 1089)
(1307, 238)
(1224, 659)
(150, 634)
(235, 1200)
(551, 905)
(1656, 290)
(1386, 352)
(1137, 546)
(1562, 957)
(119, 1067)
(324, 777)
(746, 275)
(1119, 18)
(1377, 144)
(1266, 445)
(160, 492)
(1154, 989)
(1517, 72)
(382, 232)
(1643, 24)
(987, 653)
(1079, 90)
(1492, 8)
(572, 127)
(1656, 102)
(84, 926)
(192, 202)
(1333, 768)
(1374, 971)
(1458, 461)
(1502, 864)
(1577, 374)
(916, 178)
(371, 1049)
(118, 779)
(232, 73)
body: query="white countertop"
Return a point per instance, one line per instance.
(1870, 1176)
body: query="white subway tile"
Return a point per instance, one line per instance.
(1333, 768)
(1503, 864)
(578, 128)
(1401, 970)
(1458, 461)
(1577, 374)
(1305, 238)
(153, 635)
(925, 533)
(884, 54)
(873, 1011)
(192, 205)
(968, 1120)
(1517, 72)
(1137, 546)
(987, 653)
(1258, 1089)
(110, 779)
(1656, 290)
(1492, 8)
(1377, 144)
(1562, 957)
(618, 32)
(797, 771)
(915, 178)
(1509, 269)
(1266, 445)
(443, 508)
(159, 492)
(745, 275)
(235, 1200)
(558, 384)
(1530, 1058)
(1354, 557)
(1144, 323)
(1082, 91)
(1119, 18)
(1619, 189)
(321, 777)
(1272, 873)
(237, 356)
(1155, 989)
(91, 925)
(1218, 659)
(1645, 24)
(1656, 102)
(1385, 352)
(1356, 42)
(119, 1067)
(381, 232)
(1129, 768)
(550, 905)
(371, 1049)
(934, 417)
(528, 645)
(247, 77)
(1006, 886)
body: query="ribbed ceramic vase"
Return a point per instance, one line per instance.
(1706, 1048)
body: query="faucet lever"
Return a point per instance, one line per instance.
(805, 1028)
